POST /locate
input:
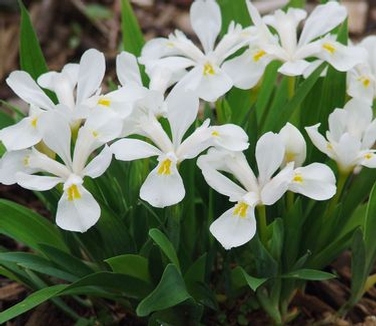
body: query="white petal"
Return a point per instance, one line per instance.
(161, 190)
(246, 71)
(21, 135)
(78, 212)
(275, 188)
(179, 102)
(206, 22)
(316, 181)
(232, 230)
(369, 136)
(294, 68)
(270, 152)
(295, 146)
(28, 90)
(230, 137)
(133, 149)
(56, 134)
(347, 151)
(322, 20)
(318, 140)
(91, 73)
(157, 48)
(11, 163)
(127, 69)
(99, 164)
(37, 182)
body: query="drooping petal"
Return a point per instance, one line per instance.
(319, 140)
(99, 164)
(127, 69)
(157, 48)
(13, 162)
(28, 90)
(206, 21)
(182, 109)
(36, 182)
(361, 83)
(295, 146)
(294, 68)
(21, 135)
(230, 137)
(218, 181)
(270, 152)
(164, 185)
(133, 149)
(322, 20)
(77, 209)
(91, 73)
(316, 181)
(235, 227)
(247, 69)
(368, 159)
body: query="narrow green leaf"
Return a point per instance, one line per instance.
(132, 265)
(28, 227)
(31, 302)
(166, 246)
(169, 292)
(253, 282)
(31, 56)
(309, 274)
(369, 229)
(133, 39)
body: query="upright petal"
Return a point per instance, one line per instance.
(164, 185)
(127, 69)
(322, 20)
(270, 152)
(77, 210)
(295, 146)
(206, 21)
(91, 73)
(182, 109)
(99, 164)
(28, 90)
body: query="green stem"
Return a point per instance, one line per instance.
(342, 178)
(173, 225)
(291, 80)
(290, 200)
(262, 225)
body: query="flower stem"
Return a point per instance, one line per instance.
(262, 225)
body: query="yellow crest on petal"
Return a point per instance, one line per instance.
(241, 209)
(73, 192)
(165, 167)
(208, 69)
(104, 101)
(329, 48)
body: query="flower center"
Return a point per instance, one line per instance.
(241, 209)
(165, 167)
(208, 69)
(329, 48)
(73, 192)
(365, 81)
(258, 55)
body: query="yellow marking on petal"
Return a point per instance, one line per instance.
(170, 44)
(258, 55)
(165, 167)
(241, 209)
(104, 101)
(34, 122)
(215, 133)
(73, 193)
(365, 81)
(290, 157)
(208, 69)
(95, 133)
(298, 178)
(329, 47)
(368, 156)
(329, 146)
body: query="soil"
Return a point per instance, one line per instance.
(65, 31)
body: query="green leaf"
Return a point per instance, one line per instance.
(169, 292)
(31, 56)
(369, 229)
(309, 274)
(28, 227)
(36, 263)
(132, 265)
(166, 246)
(31, 302)
(133, 39)
(234, 10)
(253, 282)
